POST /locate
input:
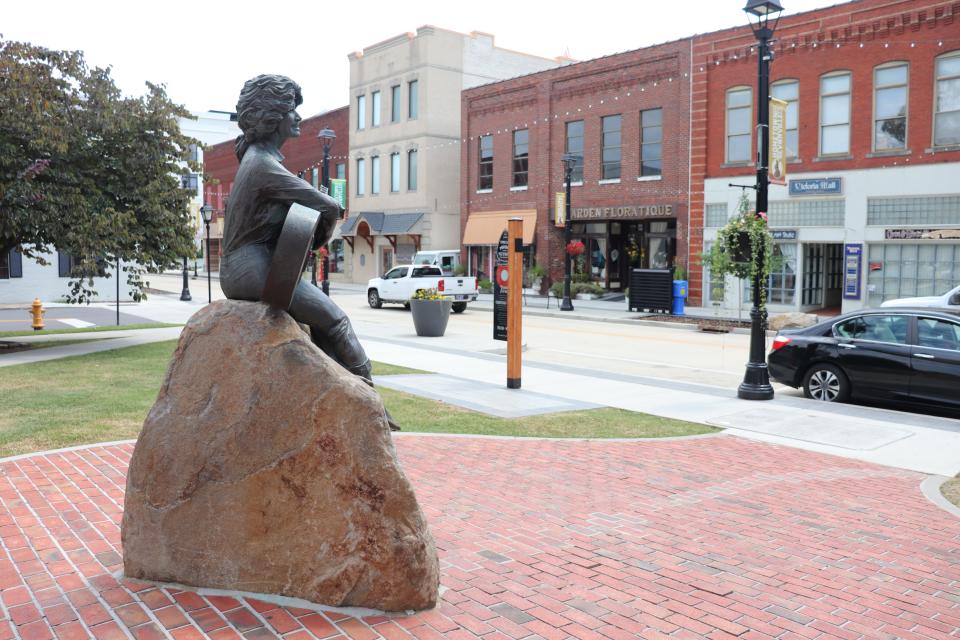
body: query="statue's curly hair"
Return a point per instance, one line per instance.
(263, 103)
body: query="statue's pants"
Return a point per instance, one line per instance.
(243, 273)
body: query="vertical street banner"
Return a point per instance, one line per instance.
(777, 162)
(500, 284)
(560, 209)
(338, 191)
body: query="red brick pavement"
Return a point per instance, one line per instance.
(706, 538)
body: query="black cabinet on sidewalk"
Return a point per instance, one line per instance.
(651, 290)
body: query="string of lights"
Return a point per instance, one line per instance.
(717, 58)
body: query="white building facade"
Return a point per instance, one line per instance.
(405, 141)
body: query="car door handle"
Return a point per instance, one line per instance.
(927, 356)
(847, 346)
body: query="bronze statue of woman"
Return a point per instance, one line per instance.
(262, 192)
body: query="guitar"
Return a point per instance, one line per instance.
(290, 256)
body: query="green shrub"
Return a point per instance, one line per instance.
(485, 286)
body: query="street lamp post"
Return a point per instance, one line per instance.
(327, 135)
(185, 294)
(570, 161)
(207, 212)
(756, 379)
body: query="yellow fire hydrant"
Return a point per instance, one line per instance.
(37, 311)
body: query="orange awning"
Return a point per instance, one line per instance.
(485, 227)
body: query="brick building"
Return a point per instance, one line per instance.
(302, 155)
(872, 206)
(628, 116)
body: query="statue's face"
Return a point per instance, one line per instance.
(290, 125)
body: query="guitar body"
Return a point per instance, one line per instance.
(290, 256)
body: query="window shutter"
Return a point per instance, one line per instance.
(16, 264)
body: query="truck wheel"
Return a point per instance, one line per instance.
(373, 299)
(459, 307)
(406, 305)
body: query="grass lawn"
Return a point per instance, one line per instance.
(951, 491)
(112, 327)
(105, 396)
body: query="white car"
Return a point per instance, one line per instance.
(949, 300)
(403, 281)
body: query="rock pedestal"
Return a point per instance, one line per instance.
(264, 466)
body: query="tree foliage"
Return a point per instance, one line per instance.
(87, 170)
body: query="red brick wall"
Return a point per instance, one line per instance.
(626, 83)
(869, 32)
(300, 154)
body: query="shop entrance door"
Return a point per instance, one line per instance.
(822, 276)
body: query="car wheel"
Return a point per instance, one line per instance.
(373, 299)
(459, 307)
(827, 383)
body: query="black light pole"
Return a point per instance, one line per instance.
(185, 294)
(327, 135)
(569, 162)
(207, 212)
(756, 379)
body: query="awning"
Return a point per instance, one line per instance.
(484, 228)
(381, 224)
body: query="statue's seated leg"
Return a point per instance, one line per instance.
(330, 329)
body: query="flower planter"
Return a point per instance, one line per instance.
(744, 252)
(430, 317)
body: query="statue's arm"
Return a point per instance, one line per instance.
(283, 185)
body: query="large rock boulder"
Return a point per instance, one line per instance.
(792, 320)
(264, 466)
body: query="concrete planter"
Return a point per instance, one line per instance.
(430, 317)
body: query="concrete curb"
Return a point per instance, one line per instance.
(930, 487)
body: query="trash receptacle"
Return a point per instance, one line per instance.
(679, 296)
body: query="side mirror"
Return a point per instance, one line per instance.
(954, 299)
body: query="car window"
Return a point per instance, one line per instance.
(938, 334)
(884, 328)
(425, 272)
(849, 329)
(393, 274)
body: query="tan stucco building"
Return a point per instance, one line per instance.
(405, 141)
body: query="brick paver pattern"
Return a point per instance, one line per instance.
(706, 538)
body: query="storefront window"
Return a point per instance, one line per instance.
(908, 270)
(336, 256)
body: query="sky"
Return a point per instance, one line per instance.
(203, 51)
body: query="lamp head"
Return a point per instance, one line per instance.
(763, 8)
(326, 135)
(207, 212)
(570, 160)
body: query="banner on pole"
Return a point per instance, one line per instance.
(560, 209)
(338, 191)
(777, 162)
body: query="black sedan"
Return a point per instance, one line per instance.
(895, 355)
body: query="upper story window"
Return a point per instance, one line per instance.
(341, 170)
(890, 106)
(361, 112)
(375, 109)
(374, 175)
(610, 159)
(361, 176)
(395, 103)
(789, 92)
(193, 152)
(485, 172)
(413, 99)
(190, 181)
(521, 157)
(574, 145)
(739, 112)
(394, 172)
(835, 114)
(412, 170)
(651, 142)
(946, 125)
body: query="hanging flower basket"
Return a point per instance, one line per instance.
(575, 248)
(743, 252)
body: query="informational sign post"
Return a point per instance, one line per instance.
(514, 301)
(852, 262)
(500, 283)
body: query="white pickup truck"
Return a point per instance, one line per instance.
(400, 283)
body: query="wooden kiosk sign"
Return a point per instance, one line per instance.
(507, 297)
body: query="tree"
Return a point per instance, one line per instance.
(88, 171)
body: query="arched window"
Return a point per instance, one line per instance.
(835, 113)
(739, 118)
(946, 122)
(891, 83)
